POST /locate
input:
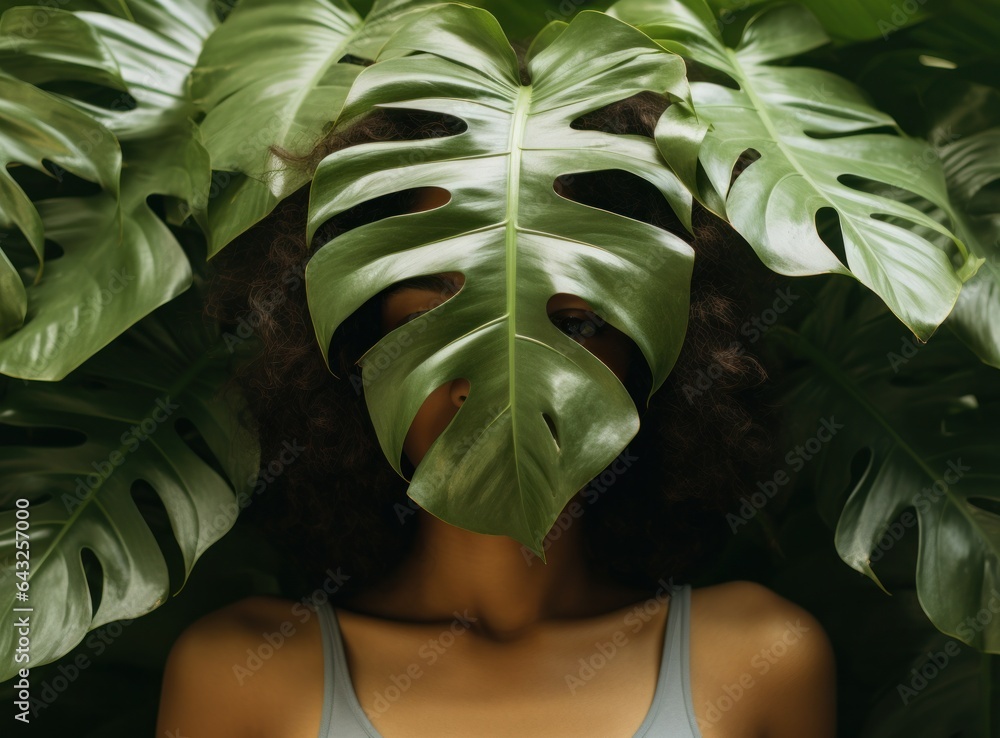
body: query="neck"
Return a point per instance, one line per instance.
(454, 572)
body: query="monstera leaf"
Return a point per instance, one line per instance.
(818, 152)
(972, 165)
(277, 74)
(498, 468)
(129, 415)
(65, 47)
(38, 127)
(853, 20)
(937, 78)
(119, 261)
(920, 425)
(155, 47)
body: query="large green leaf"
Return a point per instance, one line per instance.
(497, 468)
(919, 424)
(84, 443)
(156, 51)
(972, 165)
(112, 272)
(847, 20)
(522, 20)
(65, 47)
(110, 275)
(961, 119)
(37, 127)
(814, 132)
(273, 75)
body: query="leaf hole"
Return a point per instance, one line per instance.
(895, 551)
(40, 437)
(697, 72)
(154, 513)
(445, 399)
(986, 504)
(413, 200)
(52, 251)
(829, 135)
(35, 491)
(93, 93)
(635, 115)
(352, 59)
(748, 157)
(552, 428)
(51, 181)
(622, 193)
(859, 464)
(94, 574)
(574, 317)
(194, 440)
(828, 226)
(383, 313)
(906, 197)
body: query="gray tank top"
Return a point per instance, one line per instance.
(670, 716)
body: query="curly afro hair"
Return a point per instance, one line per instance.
(340, 503)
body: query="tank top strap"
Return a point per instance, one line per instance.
(673, 712)
(339, 701)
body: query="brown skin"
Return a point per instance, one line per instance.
(506, 674)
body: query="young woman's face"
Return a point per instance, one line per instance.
(569, 313)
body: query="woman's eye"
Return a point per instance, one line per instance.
(577, 327)
(410, 317)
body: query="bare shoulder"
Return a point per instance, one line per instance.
(230, 669)
(770, 651)
(248, 622)
(742, 599)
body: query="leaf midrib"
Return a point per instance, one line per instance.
(338, 51)
(520, 115)
(839, 377)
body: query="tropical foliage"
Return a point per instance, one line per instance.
(137, 142)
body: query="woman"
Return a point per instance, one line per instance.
(403, 626)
